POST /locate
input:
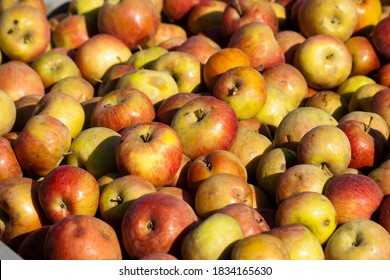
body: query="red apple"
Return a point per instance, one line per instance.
(289, 40)
(354, 196)
(166, 31)
(68, 190)
(9, 165)
(32, 246)
(384, 213)
(24, 108)
(380, 37)
(111, 77)
(205, 14)
(209, 116)
(158, 256)
(82, 237)
(152, 150)
(178, 11)
(382, 76)
(116, 16)
(180, 193)
(379, 104)
(156, 223)
(381, 175)
(369, 13)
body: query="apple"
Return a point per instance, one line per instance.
(209, 241)
(258, 41)
(380, 175)
(359, 239)
(10, 167)
(364, 56)
(53, 66)
(157, 85)
(32, 246)
(324, 60)
(18, 79)
(25, 32)
(152, 150)
(286, 77)
(184, 67)
(94, 150)
(21, 212)
(328, 17)
(88, 106)
(369, 13)
(104, 180)
(361, 98)
(209, 116)
(219, 190)
(172, 43)
(205, 14)
(178, 192)
(24, 108)
(382, 76)
(379, 103)
(260, 247)
(249, 146)
(257, 126)
(158, 256)
(180, 178)
(118, 195)
(156, 223)
(36, 155)
(7, 113)
(354, 196)
(200, 46)
(289, 40)
(351, 84)
(178, 11)
(367, 146)
(297, 122)
(384, 214)
(311, 209)
(220, 62)
(98, 54)
(277, 105)
(300, 178)
(82, 237)
(299, 241)
(166, 31)
(250, 220)
(143, 16)
(64, 108)
(271, 166)
(329, 101)
(75, 86)
(244, 89)
(39, 4)
(121, 108)
(261, 200)
(214, 162)
(144, 58)
(89, 8)
(334, 156)
(111, 77)
(380, 38)
(241, 12)
(170, 105)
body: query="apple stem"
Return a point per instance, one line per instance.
(237, 6)
(369, 124)
(208, 164)
(326, 170)
(199, 114)
(232, 90)
(118, 200)
(146, 138)
(150, 226)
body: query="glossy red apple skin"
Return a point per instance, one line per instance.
(353, 196)
(156, 222)
(383, 75)
(384, 213)
(142, 16)
(380, 103)
(381, 38)
(178, 10)
(82, 237)
(9, 165)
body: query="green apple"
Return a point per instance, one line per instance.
(94, 150)
(144, 58)
(7, 113)
(351, 84)
(209, 241)
(311, 209)
(361, 98)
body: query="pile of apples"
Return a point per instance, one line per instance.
(195, 129)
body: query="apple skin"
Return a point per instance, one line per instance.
(111, 77)
(94, 150)
(35, 154)
(77, 87)
(382, 76)
(214, 162)
(178, 192)
(32, 246)
(258, 41)
(379, 102)
(241, 12)
(359, 239)
(82, 237)
(205, 14)
(380, 175)
(7, 113)
(118, 195)
(114, 16)
(144, 58)
(165, 32)
(351, 84)
(354, 196)
(289, 40)
(178, 11)
(367, 146)
(39, 4)
(329, 101)
(369, 14)
(121, 108)
(209, 116)
(25, 32)
(9, 165)
(68, 190)
(361, 98)
(220, 190)
(260, 247)
(250, 220)
(384, 214)
(330, 61)
(158, 256)
(209, 241)
(98, 54)
(300, 243)
(24, 108)
(380, 37)
(156, 222)
(311, 209)
(18, 79)
(21, 211)
(338, 19)
(152, 150)
(244, 89)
